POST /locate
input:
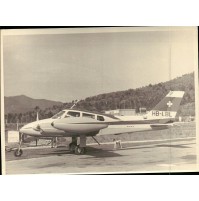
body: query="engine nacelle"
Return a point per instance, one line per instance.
(79, 125)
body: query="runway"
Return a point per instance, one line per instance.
(152, 156)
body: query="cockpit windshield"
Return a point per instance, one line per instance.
(58, 115)
(72, 114)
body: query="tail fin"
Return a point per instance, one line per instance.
(167, 108)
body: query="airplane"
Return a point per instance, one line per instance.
(82, 124)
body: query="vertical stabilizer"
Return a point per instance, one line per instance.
(167, 108)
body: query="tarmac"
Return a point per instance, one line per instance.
(164, 156)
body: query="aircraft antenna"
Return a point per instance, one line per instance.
(75, 103)
(37, 117)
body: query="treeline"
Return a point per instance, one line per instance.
(32, 115)
(147, 97)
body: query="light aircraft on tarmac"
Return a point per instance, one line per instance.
(75, 123)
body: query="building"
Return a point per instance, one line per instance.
(122, 112)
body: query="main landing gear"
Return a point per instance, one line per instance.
(18, 152)
(78, 149)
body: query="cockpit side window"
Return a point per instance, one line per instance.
(100, 118)
(58, 115)
(73, 114)
(88, 115)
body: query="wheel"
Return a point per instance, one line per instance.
(18, 152)
(72, 147)
(80, 150)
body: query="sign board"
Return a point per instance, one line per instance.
(13, 136)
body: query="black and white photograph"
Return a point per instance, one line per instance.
(99, 100)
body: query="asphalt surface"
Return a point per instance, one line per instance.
(145, 156)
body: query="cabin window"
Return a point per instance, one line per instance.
(88, 115)
(58, 115)
(100, 118)
(73, 114)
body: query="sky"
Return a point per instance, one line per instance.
(70, 64)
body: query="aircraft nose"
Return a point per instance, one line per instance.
(29, 130)
(24, 128)
(21, 130)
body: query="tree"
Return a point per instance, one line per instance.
(37, 108)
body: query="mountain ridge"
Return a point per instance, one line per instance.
(23, 103)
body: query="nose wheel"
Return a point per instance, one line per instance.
(18, 152)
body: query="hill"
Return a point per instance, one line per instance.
(147, 96)
(22, 104)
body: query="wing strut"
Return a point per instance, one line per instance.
(95, 140)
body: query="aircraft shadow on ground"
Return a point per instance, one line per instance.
(98, 153)
(103, 153)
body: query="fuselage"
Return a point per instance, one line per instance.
(68, 123)
(76, 122)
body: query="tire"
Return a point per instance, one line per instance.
(18, 153)
(80, 150)
(72, 147)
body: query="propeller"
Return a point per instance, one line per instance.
(38, 128)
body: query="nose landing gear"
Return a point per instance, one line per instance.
(18, 152)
